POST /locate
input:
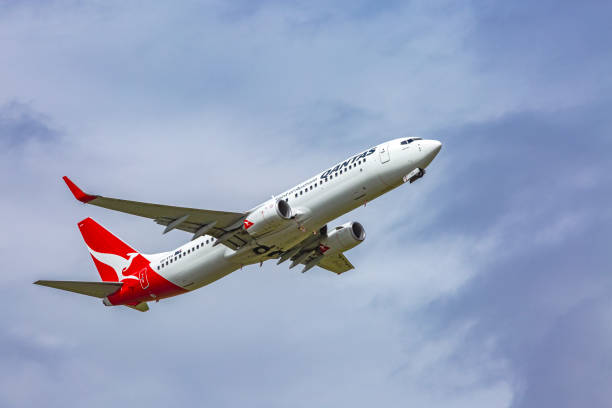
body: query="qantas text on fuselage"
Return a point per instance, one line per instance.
(291, 226)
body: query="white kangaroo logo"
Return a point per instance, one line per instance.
(118, 263)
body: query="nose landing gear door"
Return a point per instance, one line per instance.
(384, 153)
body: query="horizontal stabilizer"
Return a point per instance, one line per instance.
(96, 289)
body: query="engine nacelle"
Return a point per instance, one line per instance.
(343, 238)
(267, 217)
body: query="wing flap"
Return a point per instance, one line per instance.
(95, 289)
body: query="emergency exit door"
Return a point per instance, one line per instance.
(384, 154)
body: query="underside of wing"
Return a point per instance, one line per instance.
(193, 220)
(336, 263)
(313, 252)
(95, 289)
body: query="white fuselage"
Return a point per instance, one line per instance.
(315, 202)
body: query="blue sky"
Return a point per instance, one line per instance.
(485, 284)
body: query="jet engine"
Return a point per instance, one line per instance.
(267, 217)
(343, 238)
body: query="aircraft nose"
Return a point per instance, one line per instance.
(431, 149)
(435, 147)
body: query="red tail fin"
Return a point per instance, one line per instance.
(113, 258)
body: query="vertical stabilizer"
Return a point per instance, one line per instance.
(115, 260)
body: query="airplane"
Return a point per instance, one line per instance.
(291, 226)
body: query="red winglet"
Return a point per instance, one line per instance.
(78, 193)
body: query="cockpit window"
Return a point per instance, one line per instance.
(410, 140)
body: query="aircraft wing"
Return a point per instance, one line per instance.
(308, 254)
(336, 263)
(194, 220)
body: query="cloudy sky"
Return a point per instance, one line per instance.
(485, 284)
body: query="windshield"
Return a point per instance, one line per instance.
(410, 140)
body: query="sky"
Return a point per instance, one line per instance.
(485, 284)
